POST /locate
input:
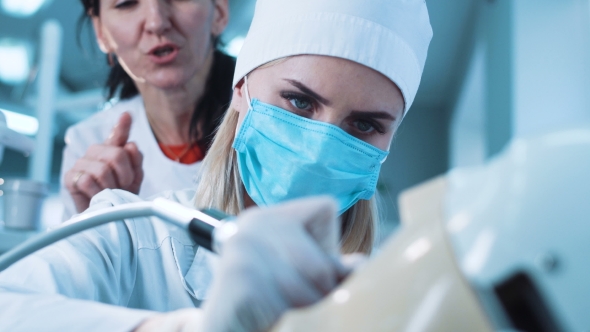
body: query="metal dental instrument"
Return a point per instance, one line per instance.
(208, 228)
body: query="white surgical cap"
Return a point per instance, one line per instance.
(389, 36)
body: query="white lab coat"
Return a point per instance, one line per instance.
(160, 173)
(132, 268)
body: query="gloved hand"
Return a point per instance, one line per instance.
(282, 257)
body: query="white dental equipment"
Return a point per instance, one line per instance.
(17, 192)
(499, 247)
(209, 228)
(13, 140)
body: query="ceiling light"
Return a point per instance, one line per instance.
(24, 124)
(14, 61)
(22, 8)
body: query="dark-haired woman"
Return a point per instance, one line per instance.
(173, 87)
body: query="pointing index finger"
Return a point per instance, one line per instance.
(120, 133)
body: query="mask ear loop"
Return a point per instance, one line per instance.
(247, 92)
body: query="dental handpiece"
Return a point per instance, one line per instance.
(209, 228)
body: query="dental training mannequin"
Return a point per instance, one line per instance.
(306, 119)
(173, 85)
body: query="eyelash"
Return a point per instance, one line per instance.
(125, 4)
(290, 96)
(376, 126)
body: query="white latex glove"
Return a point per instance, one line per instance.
(282, 257)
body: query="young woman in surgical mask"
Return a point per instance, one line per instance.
(318, 117)
(301, 126)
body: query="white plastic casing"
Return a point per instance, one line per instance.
(528, 211)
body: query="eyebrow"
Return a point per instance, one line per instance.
(308, 91)
(374, 114)
(371, 114)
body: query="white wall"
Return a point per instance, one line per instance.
(419, 152)
(529, 73)
(551, 65)
(467, 128)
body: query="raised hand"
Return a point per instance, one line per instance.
(114, 164)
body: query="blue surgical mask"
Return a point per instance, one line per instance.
(282, 156)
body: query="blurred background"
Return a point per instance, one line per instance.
(496, 69)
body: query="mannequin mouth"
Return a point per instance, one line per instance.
(162, 54)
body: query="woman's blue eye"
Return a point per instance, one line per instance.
(300, 103)
(364, 126)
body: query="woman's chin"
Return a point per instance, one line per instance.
(168, 81)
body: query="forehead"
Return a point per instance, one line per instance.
(335, 77)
